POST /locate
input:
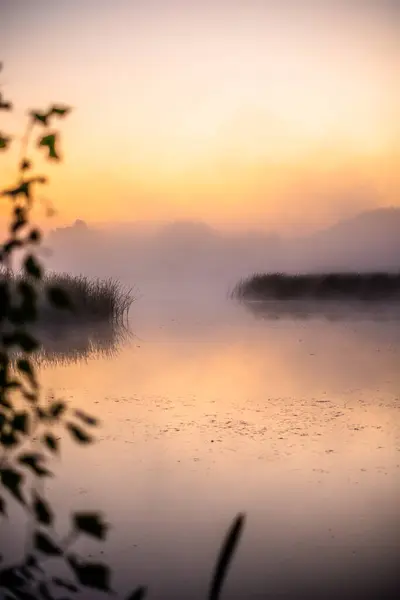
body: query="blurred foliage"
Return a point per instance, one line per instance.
(31, 426)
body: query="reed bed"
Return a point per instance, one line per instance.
(92, 300)
(359, 287)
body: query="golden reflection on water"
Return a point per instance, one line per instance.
(295, 423)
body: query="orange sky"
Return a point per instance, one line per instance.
(262, 113)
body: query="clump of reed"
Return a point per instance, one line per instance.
(97, 299)
(326, 286)
(92, 300)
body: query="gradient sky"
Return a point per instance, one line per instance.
(241, 113)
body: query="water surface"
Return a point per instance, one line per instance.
(209, 411)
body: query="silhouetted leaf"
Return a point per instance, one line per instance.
(12, 384)
(49, 141)
(32, 563)
(10, 578)
(42, 510)
(225, 556)
(20, 422)
(25, 164)
(25, 367)
(46, 545)
(57, 409)
(22, 189)
(87, 419)
(58, 297)
(8, 440)
(39, 117)
(17, 224)
(41, 413)
(34, 236)
(12, 480)
(8, 247)
(4, 104)
(79, 434)
(26, 341)
(4, 299)
(65, 584)
(51, 442)
(92, 575)
(4, 360)
(91, 524)
(22, 594)
(33, 460)
(32, 267)
(29, 396)
(137, 594)
(26, 572)
(60, 111)
(4, 141)
(19, 219)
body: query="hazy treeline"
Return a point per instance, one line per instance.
(194, 252)
(329, 286)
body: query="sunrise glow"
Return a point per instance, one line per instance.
(270, 113)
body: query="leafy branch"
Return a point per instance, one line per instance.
(31, 426)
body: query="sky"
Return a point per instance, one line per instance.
(280, 114)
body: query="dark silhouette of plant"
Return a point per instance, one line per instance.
(30, 426)
(92, 300)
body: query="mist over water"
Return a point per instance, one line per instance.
(193, 255)
(209, 408)
(277, 123)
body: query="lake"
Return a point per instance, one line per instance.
(208, 411)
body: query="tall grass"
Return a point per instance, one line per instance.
(92, 300)
(328, 286)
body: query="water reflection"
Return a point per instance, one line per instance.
(75, 344)
(331, 310)
(295, 422)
